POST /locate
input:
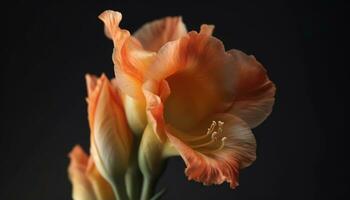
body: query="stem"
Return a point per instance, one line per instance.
(150, 161)
(133, 176)
(134, 181)
(119, 189)
(147, 188)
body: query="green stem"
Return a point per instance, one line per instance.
(119, 190)
(134, 181)
(147, 188)
(133, 176)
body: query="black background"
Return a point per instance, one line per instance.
(48, 47)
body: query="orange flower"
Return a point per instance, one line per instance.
(111, 139)
(200, 100)
(87, 182)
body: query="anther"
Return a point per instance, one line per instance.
(214, 135)
(222, 143)
(223, 139)
(211, 128)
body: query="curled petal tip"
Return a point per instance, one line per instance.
(91, 83)
(207, 29)
(111, 19)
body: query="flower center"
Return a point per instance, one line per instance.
(212, 140)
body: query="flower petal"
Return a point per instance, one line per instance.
(135, 114)
(200, 75)
(155, 34)
(219, 157)
(82, 188)
(255, 92)
(155, 114)
(111, 139)
(131, 61)
(134, 109)
(102, 189)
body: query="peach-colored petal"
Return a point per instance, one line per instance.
(131, 61)
(254, 91)
(82, 188)
(155, 114)
(217, 155)
(155, 34)
(135, 114)
(102, 189)
(111, 139)
(134, 104)
(200, 75)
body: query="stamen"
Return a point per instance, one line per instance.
(214, 135)
(203, 144)
(221, 125)
(211, 128)
(217, 148)
(222, 143)
(205, 137)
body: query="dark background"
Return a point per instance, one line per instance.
(48, 47)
